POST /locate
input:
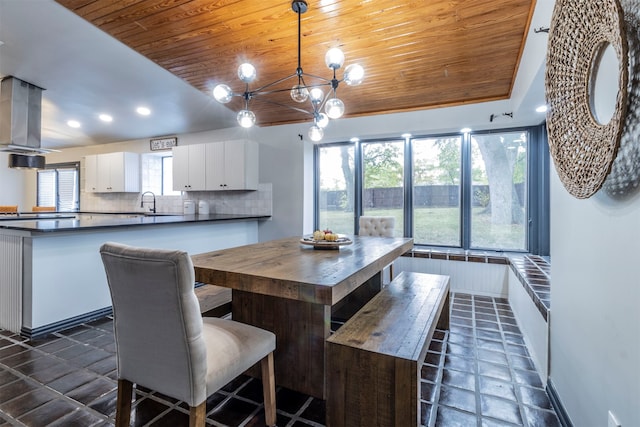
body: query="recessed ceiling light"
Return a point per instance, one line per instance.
(542, 109)
(143, 111)
(465, 130)
(73, 123)
(105, 118)
(406, 135)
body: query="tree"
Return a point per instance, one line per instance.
(499, 166)
(348, 172)
(381, 166)
(449, 160)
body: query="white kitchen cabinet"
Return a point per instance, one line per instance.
(232, 165)
(91, 173)
(112, 173)
(189, 165)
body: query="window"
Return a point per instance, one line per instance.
(498, 190)
(481, 190)
(437, 164)
(336, 194)
(58, 185)
(383, 171)
(157, 174)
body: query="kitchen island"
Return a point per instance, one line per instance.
(51, 274)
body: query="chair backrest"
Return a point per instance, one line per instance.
(379, 226)
(9, 209)
(43, 209)
(157, 321)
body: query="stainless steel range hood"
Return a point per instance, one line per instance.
(20, 123)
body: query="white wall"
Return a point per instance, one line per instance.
(15, 185)
(595, 320)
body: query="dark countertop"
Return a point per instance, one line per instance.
(76, 221)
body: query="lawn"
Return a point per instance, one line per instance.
(439, 226)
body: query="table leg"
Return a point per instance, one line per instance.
(301, 329)
(349, 305)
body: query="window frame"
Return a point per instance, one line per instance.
(537, 185)
(55, 167)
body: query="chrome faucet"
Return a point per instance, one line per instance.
(154, 201)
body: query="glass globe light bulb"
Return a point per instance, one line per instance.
(353, 74)
(222, 93)
(299, 93)
(334, 108)
(315, 133)
(322, 120)
(247, 72)
(334, 58)
(317, 95)
(246, 118)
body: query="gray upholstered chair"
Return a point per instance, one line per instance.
(164, 344)
(380, 226)
(377, 226)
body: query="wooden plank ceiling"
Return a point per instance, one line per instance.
(416, 54)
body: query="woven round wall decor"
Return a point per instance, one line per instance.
(583, 149)
(623, 181)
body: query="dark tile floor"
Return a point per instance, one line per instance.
(477, 374)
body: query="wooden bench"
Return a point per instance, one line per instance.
(374, 360)
(215, 301)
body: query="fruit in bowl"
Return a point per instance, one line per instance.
(331, 237)
(326, 235)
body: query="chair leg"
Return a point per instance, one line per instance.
(197, 415)
(269, 389)
(123, 403)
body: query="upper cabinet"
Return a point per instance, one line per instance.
(112, 173)
(232, 165)
(229, 165)
(91, 173)
(189, 164)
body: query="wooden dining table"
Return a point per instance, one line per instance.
(295, 290)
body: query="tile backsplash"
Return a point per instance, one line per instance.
(221, 202)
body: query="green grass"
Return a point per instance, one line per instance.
(439, 226)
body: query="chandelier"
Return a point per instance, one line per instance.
(301, 92)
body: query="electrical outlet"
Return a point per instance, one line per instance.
(613, 421)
